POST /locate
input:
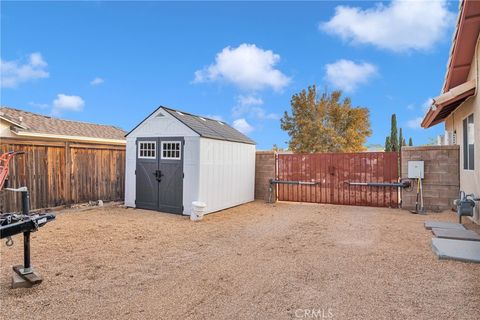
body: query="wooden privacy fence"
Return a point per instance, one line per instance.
(330, 174)
(60, 173)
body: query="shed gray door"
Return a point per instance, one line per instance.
(147, 166)
(170, 193)
(159, 179)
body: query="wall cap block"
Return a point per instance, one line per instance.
(435, 148)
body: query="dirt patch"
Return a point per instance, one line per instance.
(256, 261)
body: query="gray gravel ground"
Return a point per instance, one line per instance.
(256, 261)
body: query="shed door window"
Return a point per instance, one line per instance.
(171, 150)
(147, 150)
(468, 143)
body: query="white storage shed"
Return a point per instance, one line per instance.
(174, 158)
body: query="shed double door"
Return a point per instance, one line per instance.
(159, 174)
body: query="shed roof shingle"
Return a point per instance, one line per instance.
(37, 123)
(209, 128)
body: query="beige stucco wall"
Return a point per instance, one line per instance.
(469, 179)
(5, 129)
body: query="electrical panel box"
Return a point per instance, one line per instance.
(415, 169)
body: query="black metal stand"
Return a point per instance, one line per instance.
(26, 235)
(12, 224)
(26, 272)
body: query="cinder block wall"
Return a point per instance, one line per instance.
(442, 179)
(264, 171)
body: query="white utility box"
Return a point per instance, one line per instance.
(415, 169)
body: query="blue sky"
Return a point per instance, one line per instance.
(114, 62)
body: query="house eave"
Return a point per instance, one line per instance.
(463, 44)
(447, 103)
(69, 138)
(16, 124)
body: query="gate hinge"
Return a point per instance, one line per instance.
(183, 175)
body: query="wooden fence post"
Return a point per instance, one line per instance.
(68, 171)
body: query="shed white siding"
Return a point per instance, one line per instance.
(191, 171)
(5, 131)
(227, 173)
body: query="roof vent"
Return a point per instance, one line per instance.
(220, 123)
(160, 115)
(179, 113)
(20, 119)
(203, 119)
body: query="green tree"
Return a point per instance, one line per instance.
(325, 123)
(394, 134)
(410, 142)
(401, 140)
(388, 146)
(276, 148)
(431, 141)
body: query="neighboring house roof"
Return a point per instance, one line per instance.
(459, 64)
(205, 127)
(26, 123)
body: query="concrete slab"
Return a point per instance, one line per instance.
(443, 225)
(19, 282)
(456, 234)
(461, 250)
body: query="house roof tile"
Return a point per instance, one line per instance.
(37, 123)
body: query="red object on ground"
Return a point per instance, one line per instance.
(4, 161)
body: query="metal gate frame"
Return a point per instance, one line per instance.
(325, 178)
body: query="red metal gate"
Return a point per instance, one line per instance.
(331, 174)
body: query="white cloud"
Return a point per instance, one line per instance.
(65, 102)
(242, 125)
(97, 81)
(399, 26)
(247, 66)
(214, 117)
(14, 72)
(427, 104)
(249, 105)
(36, 60)
(249, 100)
(415, 123)
(348, 75)
(423, 107)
